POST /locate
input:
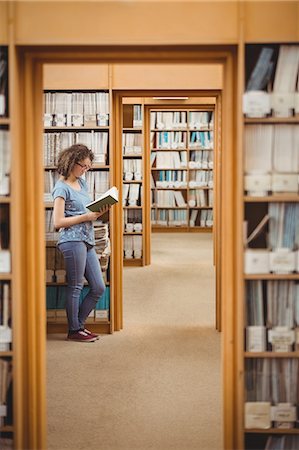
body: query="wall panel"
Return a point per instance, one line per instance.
(170, 76)
(126, 22)
(76, 76)
(271, 21)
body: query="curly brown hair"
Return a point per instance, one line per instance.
(71, 156)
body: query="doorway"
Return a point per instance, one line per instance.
(28, 79)
(190, 154)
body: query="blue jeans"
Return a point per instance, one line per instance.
(81, 260)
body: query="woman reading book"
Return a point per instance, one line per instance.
(76, 239)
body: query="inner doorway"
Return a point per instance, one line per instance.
(28, 79)
(175, 191)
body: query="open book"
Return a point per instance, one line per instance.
(108, 198)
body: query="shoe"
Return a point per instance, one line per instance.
(81, 336)
(97, 336)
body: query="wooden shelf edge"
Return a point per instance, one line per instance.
(138, 129)
(273, 431)
(132, 234)
(133, 262)
(270, 120)
(4, 199)
(161, 229)
(5, 276)
(271, 355)
(272, 198)
(7, 429)
(132, 182)
(6, 353)
(272, 276)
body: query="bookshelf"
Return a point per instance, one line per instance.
(8, 371)
(77, 116)
(182, 168)
(268, 304)
(133, 183)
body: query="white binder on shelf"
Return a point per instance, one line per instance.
(255, 338)
(257, 184)
(256, 104)
(285, 182)
(283, 103)
(281, 339)
(282, 260)
(258, 415)
(257, 261)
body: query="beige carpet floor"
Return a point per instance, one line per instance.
(155, 385)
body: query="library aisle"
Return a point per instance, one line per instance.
(156, 384)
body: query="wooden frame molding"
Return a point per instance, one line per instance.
(29, 219)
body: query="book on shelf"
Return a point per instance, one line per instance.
(284, 442)
(5, 162)
(278, 251)
(133, 247)
(5, 329)
(110, 197)
(76, 109)
(272, 316)
(270, 91)
(271, 393)
(5, 254)
(3, 80)
(271, 156)
(5, 390)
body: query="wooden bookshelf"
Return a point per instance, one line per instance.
(8, 281)
(135, 250)
(59, 323)
(192, 151)
(252, 208)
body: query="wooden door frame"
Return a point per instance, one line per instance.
(27, 130)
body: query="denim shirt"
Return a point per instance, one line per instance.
(75, 202)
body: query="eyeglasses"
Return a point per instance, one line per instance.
(84, 167)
